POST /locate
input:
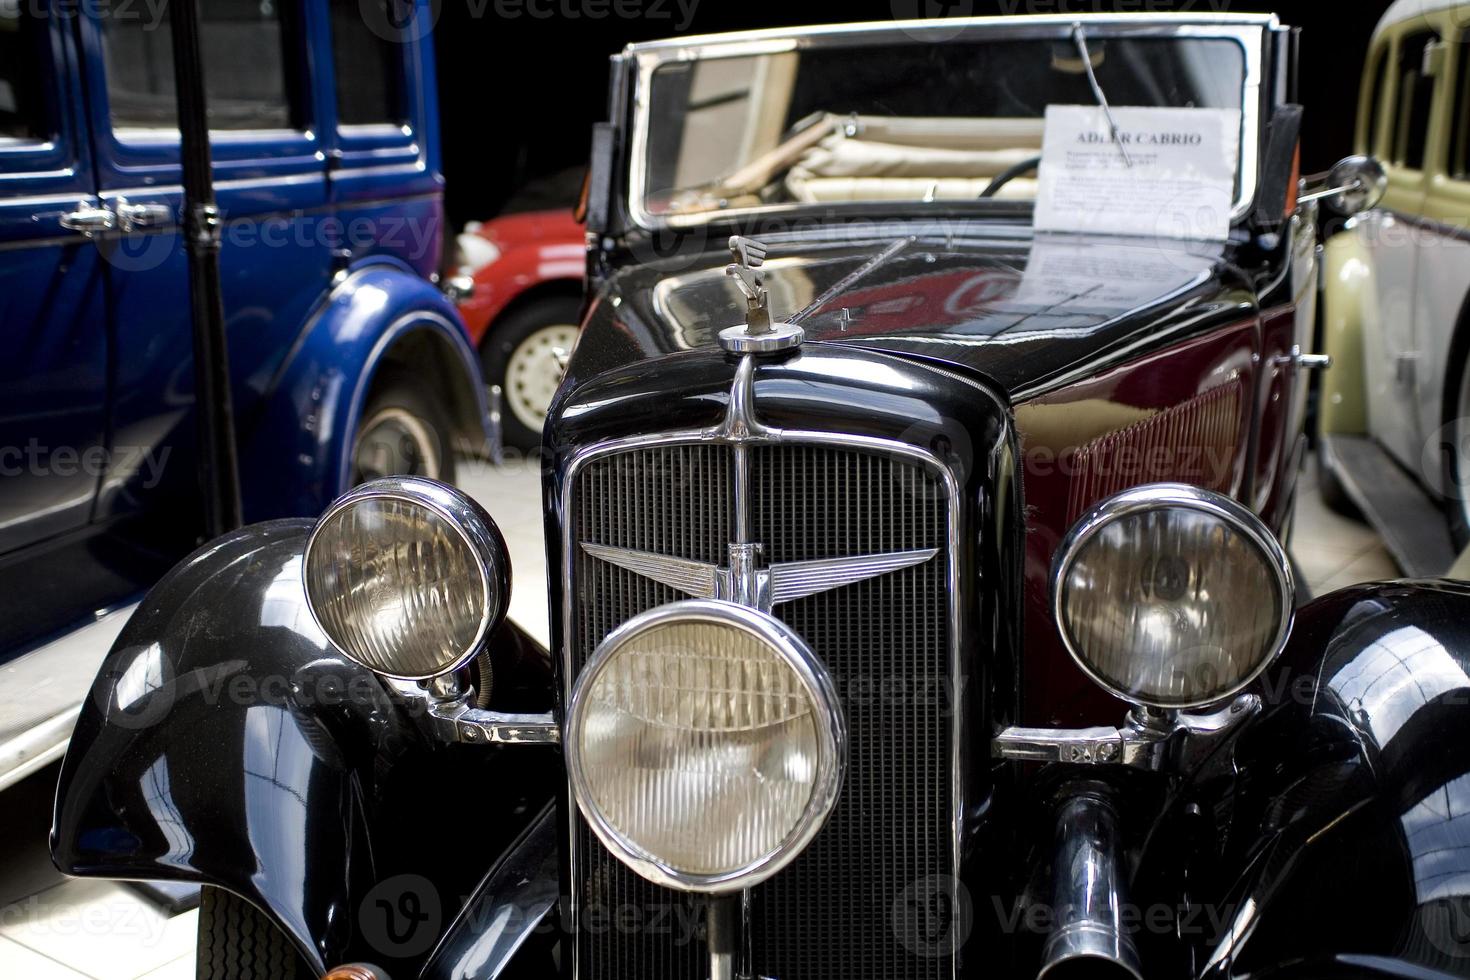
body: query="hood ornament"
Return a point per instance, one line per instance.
(758, 335)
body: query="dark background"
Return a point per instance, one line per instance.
(519, 92)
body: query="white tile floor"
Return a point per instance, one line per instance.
(58, 928)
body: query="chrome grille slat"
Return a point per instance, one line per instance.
(831, 914)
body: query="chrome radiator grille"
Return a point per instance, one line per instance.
(842, 909)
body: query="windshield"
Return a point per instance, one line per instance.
(953, 121)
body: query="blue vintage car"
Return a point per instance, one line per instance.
(346, 360)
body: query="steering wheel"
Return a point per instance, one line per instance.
(1009, 174)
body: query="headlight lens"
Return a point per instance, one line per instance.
(705, 745)
(1172, 596)
(406, 576)
(476, 252)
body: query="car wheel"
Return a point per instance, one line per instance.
(404, 431)
(520, 353)
(238, 942)
(1333, 493)
(1455, 453)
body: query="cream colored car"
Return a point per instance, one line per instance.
(1395, 411)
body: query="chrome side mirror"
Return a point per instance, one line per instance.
(1354, 186)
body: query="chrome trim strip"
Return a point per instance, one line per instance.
(1175, 742)
(740, 427)
(798, 579)
(698, 579)
(1249, 31)
(684, 48)
(458, 721)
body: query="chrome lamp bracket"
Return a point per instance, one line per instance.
(453, 718)
(1155, 741)
(758, 335)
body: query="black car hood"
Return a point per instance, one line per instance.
(1019, 310)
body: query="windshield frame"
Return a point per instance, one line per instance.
(1250, 31)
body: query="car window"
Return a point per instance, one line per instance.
(1415, 99)
(249, 78)
(22, 92)
(1379, 74)
(845, 124)
(369, 65)
(1459, 167)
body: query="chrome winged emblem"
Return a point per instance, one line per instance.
(745, 582)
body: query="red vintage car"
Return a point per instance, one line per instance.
(524, 310)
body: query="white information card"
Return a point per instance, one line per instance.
(1176, 181)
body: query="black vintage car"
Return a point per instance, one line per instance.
(920, 607)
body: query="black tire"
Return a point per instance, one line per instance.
(237, 942)
(405, 430)
(499, 345)
(1455, 439)
(1332, 492)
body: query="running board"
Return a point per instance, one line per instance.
(1410, 522)
(41, 694)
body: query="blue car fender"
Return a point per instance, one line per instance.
(297, 455)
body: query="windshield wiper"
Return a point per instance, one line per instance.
(1079, 35)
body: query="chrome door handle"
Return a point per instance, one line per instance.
(89, 220)
(131, 217)
(1304, 362)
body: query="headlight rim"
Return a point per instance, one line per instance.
(1164, 496)
(832, 741)
(468, 519)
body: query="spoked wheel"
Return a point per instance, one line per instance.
(523, 354)
(404, 432)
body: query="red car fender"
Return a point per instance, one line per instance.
(535, 248)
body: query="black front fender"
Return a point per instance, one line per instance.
(1351, 810)
(225, 743)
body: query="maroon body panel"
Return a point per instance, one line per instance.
(1185, 415)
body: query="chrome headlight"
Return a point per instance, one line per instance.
(705, 745)
(1172, 596)
(407, 577)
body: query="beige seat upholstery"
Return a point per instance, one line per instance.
(891, 158)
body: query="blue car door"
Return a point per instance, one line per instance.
(278, 243)
(53, 331)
